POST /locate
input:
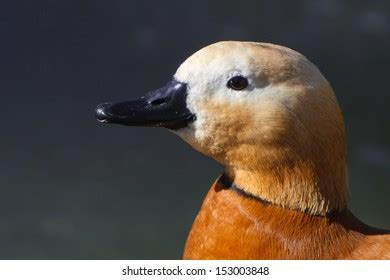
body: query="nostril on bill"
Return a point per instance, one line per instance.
(157, 102)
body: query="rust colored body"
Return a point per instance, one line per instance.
(231, 225)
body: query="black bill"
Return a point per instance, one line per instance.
(165, 107)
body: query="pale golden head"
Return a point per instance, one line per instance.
(265, 112)
(281, 137)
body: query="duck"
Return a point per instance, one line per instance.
(272, 120)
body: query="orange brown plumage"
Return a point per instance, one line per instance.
(233, 225)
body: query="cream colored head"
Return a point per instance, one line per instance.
(282, 137)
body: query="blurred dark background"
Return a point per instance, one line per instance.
(72, 188)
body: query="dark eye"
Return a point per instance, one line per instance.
(237, 83)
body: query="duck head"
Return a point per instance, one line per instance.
(263, 111)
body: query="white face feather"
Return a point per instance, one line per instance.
(226, 118)
(282, 137)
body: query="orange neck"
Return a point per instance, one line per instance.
(311, 179)
(232, 225)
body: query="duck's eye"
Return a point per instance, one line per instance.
(237, 83)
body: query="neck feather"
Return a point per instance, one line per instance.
(315, 186)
